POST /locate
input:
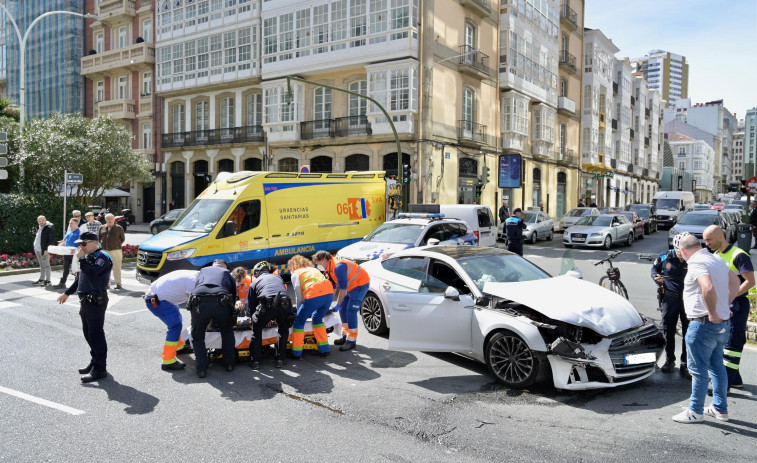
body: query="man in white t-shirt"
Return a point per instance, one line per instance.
(709, 288)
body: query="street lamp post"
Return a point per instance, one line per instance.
(22, 70)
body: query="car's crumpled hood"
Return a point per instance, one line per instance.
(370, 250)
(573, 301)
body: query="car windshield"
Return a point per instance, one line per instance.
(642, 211)
(393, 232)
(502, 268)
(698, 219)
(627, 214)
(665, 203)
(202, 215)
(578, 212)
(596, 220)
(530, 217)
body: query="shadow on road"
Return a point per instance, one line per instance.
(136, 401)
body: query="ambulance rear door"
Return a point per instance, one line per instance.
(250, 243)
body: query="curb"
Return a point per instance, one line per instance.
(751, 331)
(22, 271)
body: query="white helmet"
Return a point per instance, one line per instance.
(677, 239)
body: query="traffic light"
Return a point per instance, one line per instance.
(484, 175)
(478, 193)
(406, 173)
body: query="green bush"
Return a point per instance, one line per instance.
(18, 219)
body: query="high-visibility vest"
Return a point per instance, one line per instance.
(729, 257)
(243, 287)
(312, 282)
(356, 275)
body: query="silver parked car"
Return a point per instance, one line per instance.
(538, 225)
(572, 216)
(599, 231)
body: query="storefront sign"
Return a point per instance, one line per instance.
(509, 174)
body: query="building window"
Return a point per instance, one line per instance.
(147, 83)
(563, 87)
(358, 21)
(395, 89)
(356, 162)
(201, 115)
(178, 118)
(100, 42)
(682, 165)
(563, 139)
(288, 165)
(147, 30)
(253, 164)
(515, 113)
(358, 106)
(227, 113)
(322, 104)
(100, 92)
(468, 108)
(470, 36)
(122, 37)
(121, 95)
(544, 123)
(147, 136)
(255, 109)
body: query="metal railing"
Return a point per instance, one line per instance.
(473, 57)
(323, 128)
(568, 60)
(247, 134)
(469, 130)
(568, 14)
(352, 126)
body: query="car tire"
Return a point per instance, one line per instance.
(511, 361)
(629, 240)
(647, 229)
(608, 242)
(154, 230)
(551, 235)
(534, 237)
(641, 236)
(373, 314)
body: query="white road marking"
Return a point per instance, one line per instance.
(125, 313)
(46, 403)
(7, 304)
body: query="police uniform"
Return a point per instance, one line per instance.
(91, 285)
(162, 300)
(738, 261)
(514, 229)
(268, 301)
(213, 300)
(673, 270)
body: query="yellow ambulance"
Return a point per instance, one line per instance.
(246, 217)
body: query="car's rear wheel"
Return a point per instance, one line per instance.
(608, 242)
(511, 361)
(551, 235)
(154, 230)
(374, 317)
(534, 237)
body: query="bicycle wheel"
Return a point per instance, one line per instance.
(618, 287)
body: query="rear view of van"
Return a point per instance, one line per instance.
(478, 217)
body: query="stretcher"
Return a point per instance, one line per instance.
(66, 251)
(270, 336)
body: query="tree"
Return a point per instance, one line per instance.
(99, 149)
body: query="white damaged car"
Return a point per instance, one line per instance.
(500, 309)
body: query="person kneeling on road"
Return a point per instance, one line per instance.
(353, 282)
(163, 299)
(213, 300)
(314, 295)
(268, 302)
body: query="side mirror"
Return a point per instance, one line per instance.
(483, 301)
(432, 242)
(229, 229)
(452, 293)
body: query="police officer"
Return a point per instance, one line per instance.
(514, 227)
(213, 300)
(91, 284)
(162, 300)
(669, 271)
(268, 303)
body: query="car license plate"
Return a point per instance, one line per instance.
(579, 240)
(635, 359)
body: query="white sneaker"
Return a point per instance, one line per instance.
(688, 416)
(712, 411)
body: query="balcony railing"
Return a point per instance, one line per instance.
(133, 57)
(352, 126)
(481, 7)
(565, 105)
(110, 11)
(117, 109)
(568, 60)
(568, 16)
(323, 128)
(472, 61)
(471, 131)
(248, 134)
(566, 156)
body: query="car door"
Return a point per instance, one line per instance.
(427, 321)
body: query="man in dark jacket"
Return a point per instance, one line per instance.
(268, 302)
(44, 237)
(514, 227)
(669, 270)
(753, 222)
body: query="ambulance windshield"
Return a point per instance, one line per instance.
(202, 215)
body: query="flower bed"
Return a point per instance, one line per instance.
(29, 260)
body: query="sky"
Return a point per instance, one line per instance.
(717, 37)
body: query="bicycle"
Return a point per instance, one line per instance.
(612, 281)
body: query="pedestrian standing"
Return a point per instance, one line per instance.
(69, 240)
(269, 303)
(504, 212)
(92, 225)
(172, 205)
(213, 300)
(709, 288)
(353, 282)
(162, 300)
(314, 294)
(514, 227)
(45, 236)
(753, 223)
(91, 285)
(669, 270)
(740, 263)
(112, 238)
(76, 213)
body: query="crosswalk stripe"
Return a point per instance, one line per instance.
(7, 304)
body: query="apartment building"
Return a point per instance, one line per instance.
(666, 72)
(119, 82)
(697, 158)
(738, 154)
(750, 143)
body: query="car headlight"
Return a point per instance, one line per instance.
(672, 232)
(596, 234)
(177, 255)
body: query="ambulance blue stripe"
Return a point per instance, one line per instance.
(271, 187)
(362, 207)
(169, 239)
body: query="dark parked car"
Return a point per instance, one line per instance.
(695, 223)
(647, 214)
(164, 221)
(638, 223)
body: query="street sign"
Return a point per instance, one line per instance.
(751, 185)
(3, 162)
(74, 178)
(3, 136)
(3, 149)
(3, 174)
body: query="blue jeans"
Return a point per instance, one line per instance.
(704, 343)
(350, 308)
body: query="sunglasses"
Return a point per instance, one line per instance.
(84, 243)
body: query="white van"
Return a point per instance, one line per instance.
(478, 217)
(671, 205)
